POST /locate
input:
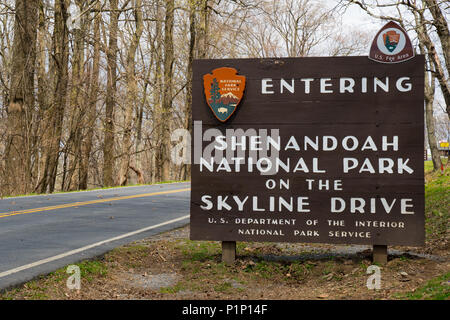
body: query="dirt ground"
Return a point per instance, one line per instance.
(169, 266)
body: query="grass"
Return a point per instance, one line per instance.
(435, 289)
(429, 165)
(94, 189)
(199, 250)
(89, 269)
(136, 251)
(43, 286)
(173, 289)
(437, 204)
(224, 287)
(206, 256)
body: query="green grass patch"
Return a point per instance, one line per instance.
(429, 165)
(92, 268)
(199, 250)
(40, 288)
(435, 289)
(281, 270)
(34, 291)
(173, 289)
(437, 204)
(136, 251)
(59, 275)
(224, 287)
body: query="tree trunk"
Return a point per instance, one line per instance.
(440, 22)
(430, 121)
(425, 40)
(77, 106)
(167, 91)
(91, 112)
(186, 168)
(21, 97)
(157, 108)
(108, 145)
(42, 95)
(131, 94)
(429, 97)
(203, 30)
(56, 111)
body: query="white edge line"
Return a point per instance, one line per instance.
(69, 253)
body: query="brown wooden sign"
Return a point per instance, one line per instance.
(320, 150)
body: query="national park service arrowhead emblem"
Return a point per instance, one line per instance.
(224, 89)
(391, 45)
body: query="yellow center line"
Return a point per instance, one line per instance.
(77, 204)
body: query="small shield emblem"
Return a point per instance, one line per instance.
(391, 45)
(391, 39)
(224, 89)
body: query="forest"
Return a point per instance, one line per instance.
(91, 91)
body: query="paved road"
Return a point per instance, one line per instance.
(39, 234)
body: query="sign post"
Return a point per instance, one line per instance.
(319, 150)
(228, 252)
(379, 254)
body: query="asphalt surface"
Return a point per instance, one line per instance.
(39, 234)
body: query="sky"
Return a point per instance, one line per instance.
(354, 16)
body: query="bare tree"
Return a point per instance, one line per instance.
(164, 149)
(131, 93)
(21, 97)
(91, 112)
(55, 113)
(111, 89)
